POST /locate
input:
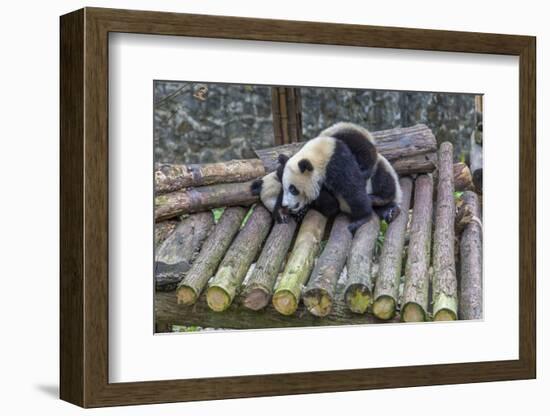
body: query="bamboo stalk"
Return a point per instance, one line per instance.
(360, 283)
(215, 246)
(386, 290)
(259, 287)
(320, 291)
(415, 293)
(232, 270)
(444, 283)
(298, 268)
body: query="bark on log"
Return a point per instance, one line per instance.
(163, 230)
(259, 287)
(232, 270)
(300, 263)
(410, 149)
(471, 291)
(204, 266)
(319, 294)
(203, 198)
(386, 291)
(358, 292)
(415, 293)
(445, 285)
(462, 177)
(170, 177)
(167, 311)
(176, 254)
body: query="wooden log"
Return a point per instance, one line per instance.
(213, 249)
(319, 294)
(476, 146)
(203, 198)
(259, 287)
(176, 254)
(410, 150)
(298, 268)
(445, 300)
(232, 270)
(386, 290)
(163, 230)
(360, 283)
(462, 177)
(471, 290)
(167, 311)
(415, 293)
(172, 177)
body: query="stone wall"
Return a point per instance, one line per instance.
(199, 122)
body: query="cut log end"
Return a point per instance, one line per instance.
(413, 312)
(445, 315)
(358, 298)
(318, 302)
(186, 295)
(284, 302)
(218, 299)
(384, 307)
(445, 308)
(256, 299)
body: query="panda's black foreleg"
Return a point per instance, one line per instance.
(360, 208)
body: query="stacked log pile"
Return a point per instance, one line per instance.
(245, 272)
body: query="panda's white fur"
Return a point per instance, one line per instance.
(270, 189)
(344, 125)
(318, 152)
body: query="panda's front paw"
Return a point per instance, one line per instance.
(392, 214)
(280, 218)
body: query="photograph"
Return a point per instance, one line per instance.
(302, 206)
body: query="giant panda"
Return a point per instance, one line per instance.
(326, 161)
(382, 184)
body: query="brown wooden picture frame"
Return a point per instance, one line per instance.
(84, 207)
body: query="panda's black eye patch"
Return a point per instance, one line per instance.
(292, 189)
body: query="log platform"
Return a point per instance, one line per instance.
(314, 273)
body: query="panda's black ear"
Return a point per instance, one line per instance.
(282, 159)
(304, 165)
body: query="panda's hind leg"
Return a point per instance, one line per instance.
(360, 208)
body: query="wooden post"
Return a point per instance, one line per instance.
(358, 292)
(444, 283)
(320, 291)
(299, 265)
(471, 290)
(259, 287)
(386, 289)
(204, 266)
(232, 270)
(176, 254)
(476, 146)
(415, 293)
(287, 114)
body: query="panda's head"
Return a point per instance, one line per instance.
(300, 183)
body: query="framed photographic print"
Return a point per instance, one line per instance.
(256, 207)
